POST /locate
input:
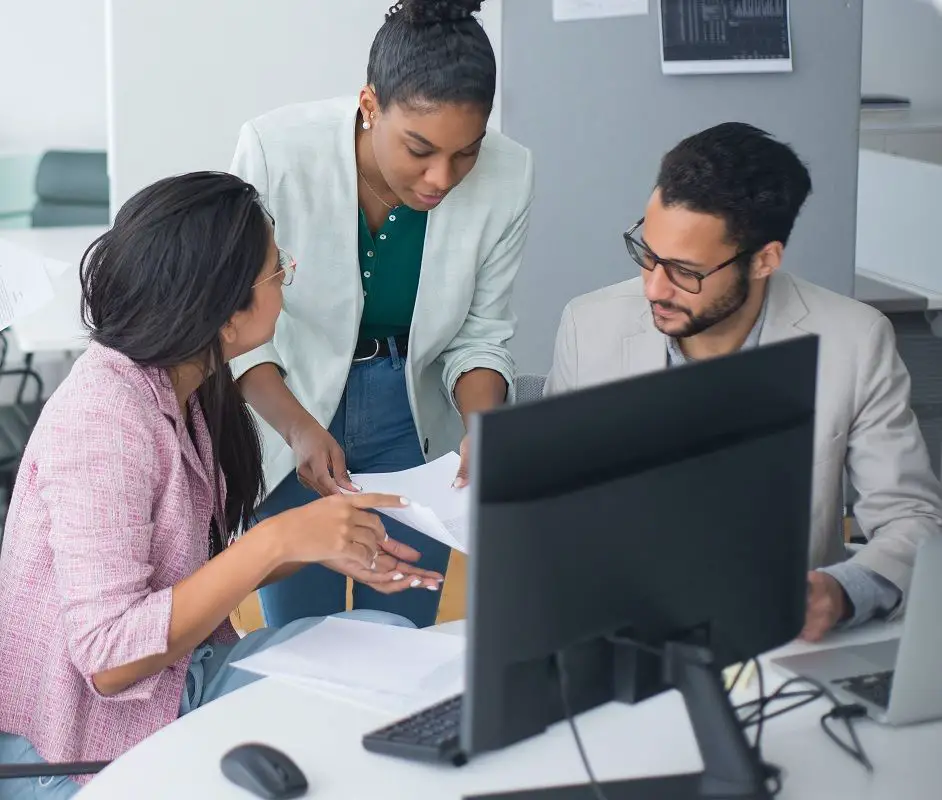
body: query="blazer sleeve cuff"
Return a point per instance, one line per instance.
(150, 639)
(457, 366)
(266, 354)
(897, 573)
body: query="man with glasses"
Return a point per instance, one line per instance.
(710, 246)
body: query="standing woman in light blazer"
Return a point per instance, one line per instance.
(408, 220)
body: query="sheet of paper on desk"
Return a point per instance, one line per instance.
(436, 509)
(446, 682)
(364, 657)
(24, 282)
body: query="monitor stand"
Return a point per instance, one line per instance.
(732, 770)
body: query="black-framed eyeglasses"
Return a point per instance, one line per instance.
(682, 277)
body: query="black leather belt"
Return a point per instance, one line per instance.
(368, 349)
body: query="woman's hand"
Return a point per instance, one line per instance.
(340, 533)
(464, 467)
(392, 572)
(335, 528)
(322, 465)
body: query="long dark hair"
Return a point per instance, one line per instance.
(432, 52)
(159, 286)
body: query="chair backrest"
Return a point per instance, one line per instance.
(72, 189)
(529, 387)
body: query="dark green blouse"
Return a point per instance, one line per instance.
(390, 264)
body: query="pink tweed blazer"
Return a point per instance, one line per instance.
(112, 507)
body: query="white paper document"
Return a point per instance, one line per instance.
(378, 666)
(24, 282)
(435, 508)
(569, 10)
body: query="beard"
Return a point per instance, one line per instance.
(721, 309)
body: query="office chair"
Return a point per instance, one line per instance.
(13, 771)
(72, 189)
(17, 420)
(529, 387)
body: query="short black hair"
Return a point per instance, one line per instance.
(430, 52)
(738, 172)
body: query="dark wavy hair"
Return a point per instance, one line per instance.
(430, 52)
(179, 261)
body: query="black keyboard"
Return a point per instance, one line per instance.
(874, 688)
(428, 735)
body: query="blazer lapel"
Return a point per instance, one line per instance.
(785, 311)
(645, 350)
(159, 381)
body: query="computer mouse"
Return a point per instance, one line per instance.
(263, 771)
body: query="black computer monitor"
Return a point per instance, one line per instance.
(642, 534)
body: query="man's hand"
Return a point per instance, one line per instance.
(464, 468)
(827, 605)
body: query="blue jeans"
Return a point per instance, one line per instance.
(210, 676)
(374, 426)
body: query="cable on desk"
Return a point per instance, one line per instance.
(847, 713)
(757, 717)
(558, 662)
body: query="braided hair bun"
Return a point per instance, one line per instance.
(434, 12)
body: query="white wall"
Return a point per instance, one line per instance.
(902, 50)
(184, 75)
(52, 74)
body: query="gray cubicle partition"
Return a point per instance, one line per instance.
(589, 98)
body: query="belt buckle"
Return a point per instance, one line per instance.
(369, 357)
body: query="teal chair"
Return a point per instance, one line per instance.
(71, 189)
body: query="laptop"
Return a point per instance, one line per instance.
(897, 681)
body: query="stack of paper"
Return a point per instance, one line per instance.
(24, 282)
(435, 507)
(382, 667)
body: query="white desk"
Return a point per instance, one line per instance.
(899, 203)
(891, 294)
(323, 736)
(913, 132)
(58, 327)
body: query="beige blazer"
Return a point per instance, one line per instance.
(863, 419)
(301, 159)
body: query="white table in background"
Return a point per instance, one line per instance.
(323, 736)
(57, 327)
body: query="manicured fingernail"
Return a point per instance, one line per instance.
(432, 588)
(356, 487)
(398, 576)
(416, 583)
(404, 501)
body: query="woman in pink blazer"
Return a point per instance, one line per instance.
(120, 564)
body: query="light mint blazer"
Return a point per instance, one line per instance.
(301, 159)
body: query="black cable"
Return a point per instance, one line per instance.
(760, 727)
(753, 718)
(739, 672)
(756, 718)
(567, 710)
(642, 646)
(847, 713)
